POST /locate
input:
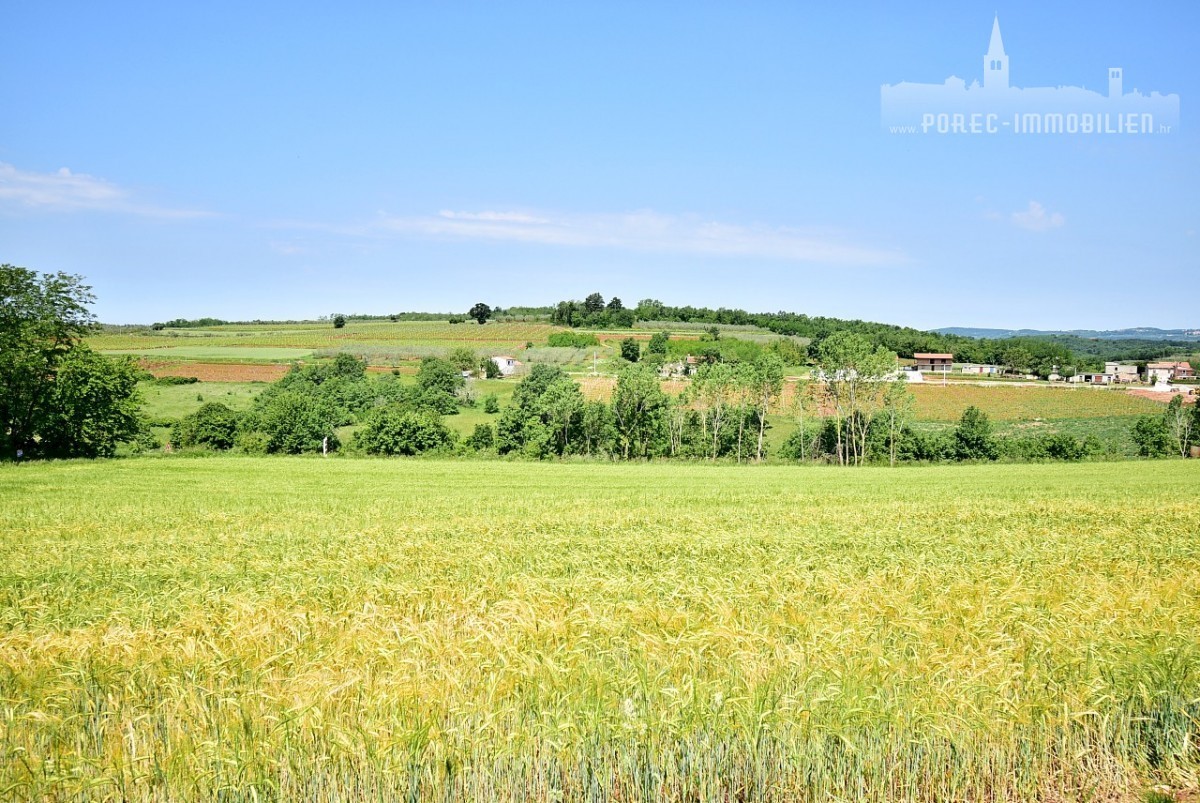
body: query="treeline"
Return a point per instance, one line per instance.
(1033, 355)
(855, 412)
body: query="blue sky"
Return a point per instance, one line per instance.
(287, 160)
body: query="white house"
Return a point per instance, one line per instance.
(974, 368)
(1166, 371)
(507, 365)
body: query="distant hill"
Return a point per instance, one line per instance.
(1139, 333)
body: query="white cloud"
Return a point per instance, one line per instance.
(64, 191)
(1036, 218)
(636, 231)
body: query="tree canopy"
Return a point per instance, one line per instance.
(57, 397)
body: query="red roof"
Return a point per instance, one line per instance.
(934, 356)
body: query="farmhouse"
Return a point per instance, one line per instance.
(1166, 371)
(1121, 373)
(507, 365)
(1092, 379)
(934, 362)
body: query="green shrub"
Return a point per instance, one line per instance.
(175, 380)
(254, 442)
(395, 431)
(214, 425)
(577, 340)
(491, 404)
(484, 437)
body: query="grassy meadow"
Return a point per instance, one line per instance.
(245, 628)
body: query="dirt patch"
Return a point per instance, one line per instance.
(216, 372)
(1165, 398)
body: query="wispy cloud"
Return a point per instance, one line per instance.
(645, 231)
(65, 191)
(1037, 218)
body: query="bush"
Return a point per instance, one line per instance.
(489, 368)
(484, 437)
(175, 380)
(294, 422)
(491, 404)
(214, 425)
(630, 350)
(394, 431)
(1152, 438)
(973, 439)
(254, 442)
(577, 340)
(658, 343)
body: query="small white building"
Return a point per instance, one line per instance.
(975, 368)
(507, 365)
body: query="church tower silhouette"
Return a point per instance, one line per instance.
(995, 63)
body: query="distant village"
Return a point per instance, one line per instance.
(1156, 374)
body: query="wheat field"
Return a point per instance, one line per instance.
(336, 630)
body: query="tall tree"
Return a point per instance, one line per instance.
(480, 312)
(855, 374)
(593, 304)
(57, 398)
(898, 403)
(768, 386)
(638, 407)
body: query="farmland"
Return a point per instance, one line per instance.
(380, 342)
(1008, 403)
(289, 628)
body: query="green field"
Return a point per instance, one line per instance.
(309, 629)
(226, 353)
(175, 401)
(381, 342)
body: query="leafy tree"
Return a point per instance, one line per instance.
(294, 422)
(593, 304)
(614, 305)
(658, 343)
(638, 409)
(1179, 422)
(339, 321)
(491, 404)
(57, 398)
(464, 359)
(973, 438)
(561, 406)
(94, 405)
(542, 416)
(596, 428)
(898, 404)
(1151, 437)
(214, 425)
(439, 375)
(630, 350)
(395, 431)
(855, 375)
(480, 312)
(767, 387)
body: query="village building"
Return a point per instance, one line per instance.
(1167, 371)
(1121, 373)
(934, 362)
(507, 365)
(984, 370)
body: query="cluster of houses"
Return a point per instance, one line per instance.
(1114, 373)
